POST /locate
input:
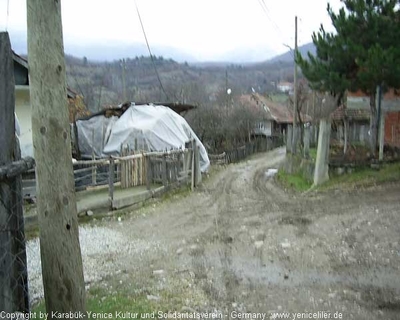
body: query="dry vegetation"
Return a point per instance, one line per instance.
(220, 121)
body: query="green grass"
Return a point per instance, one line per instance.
(313, 154)
(99, 300)
(361, 177)
(279, 97)
(366, 177)
(295, 182)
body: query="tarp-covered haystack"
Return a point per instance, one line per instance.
(147, 127)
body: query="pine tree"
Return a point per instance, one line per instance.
(362, 54)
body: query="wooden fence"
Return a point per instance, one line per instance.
(133, 169)
(242, 152)
(13, 267)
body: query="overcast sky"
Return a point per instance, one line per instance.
(204, 29)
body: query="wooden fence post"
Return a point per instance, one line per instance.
(193, 167)
(94, 168)
(164, 170)
(149, 172)
(179, 166)
(289, 138)
(13, 273)
(76, 136)
(306, 150)
(197, 166)
(187, 159)
(94, 171)
(111, 180)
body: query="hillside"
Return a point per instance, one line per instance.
(101, 83)
(288, 56)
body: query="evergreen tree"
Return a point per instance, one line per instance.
(362, 54)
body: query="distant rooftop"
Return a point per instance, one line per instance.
(119, 110)
(272, 110)
(20, 62)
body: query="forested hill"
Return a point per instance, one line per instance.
(103, 83)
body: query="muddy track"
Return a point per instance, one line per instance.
(249, 246)
(245, 198)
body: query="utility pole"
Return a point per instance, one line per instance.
(62, 270)
(226, 88)
(313, 103)
(294, 144)
(123, 81)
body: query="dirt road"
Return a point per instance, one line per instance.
(241, 243)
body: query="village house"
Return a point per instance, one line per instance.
(23, 106)
(358, 124)
(284, 86)
(273, 117)
(357, 112)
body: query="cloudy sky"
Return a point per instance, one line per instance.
(207, 30)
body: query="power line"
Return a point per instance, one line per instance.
(267, 12)
(8, 13)
(151, 55)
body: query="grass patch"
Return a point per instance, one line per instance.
(360, 177)
(295, 182)
(98, 300)
(279, 97)
(32, 233)
(179, 192)
(313, 154)
(366, 177)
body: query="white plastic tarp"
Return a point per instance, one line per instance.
(93, 133)
(151, 127)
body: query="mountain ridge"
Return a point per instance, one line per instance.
(109, 52)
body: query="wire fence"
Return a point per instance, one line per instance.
(14, 293)
(136, 169)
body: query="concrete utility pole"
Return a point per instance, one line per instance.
(62, 270)
(294, 144)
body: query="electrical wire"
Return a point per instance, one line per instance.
(151, 55)
(268, 14)
(8, 13)
(264, 7)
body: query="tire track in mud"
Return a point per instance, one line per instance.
(224, 258)
(244, 181)
(221, 283)
(242, 265)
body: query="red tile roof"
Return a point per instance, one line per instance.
(390, 95)
(352, 114)
(272, 110)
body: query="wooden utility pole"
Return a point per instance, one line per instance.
(62, 270)
(226, 88)
(313, 105)
(294, 144)
(123, 65)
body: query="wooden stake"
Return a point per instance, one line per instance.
(294, 142)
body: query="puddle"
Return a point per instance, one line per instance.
(274, 274)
